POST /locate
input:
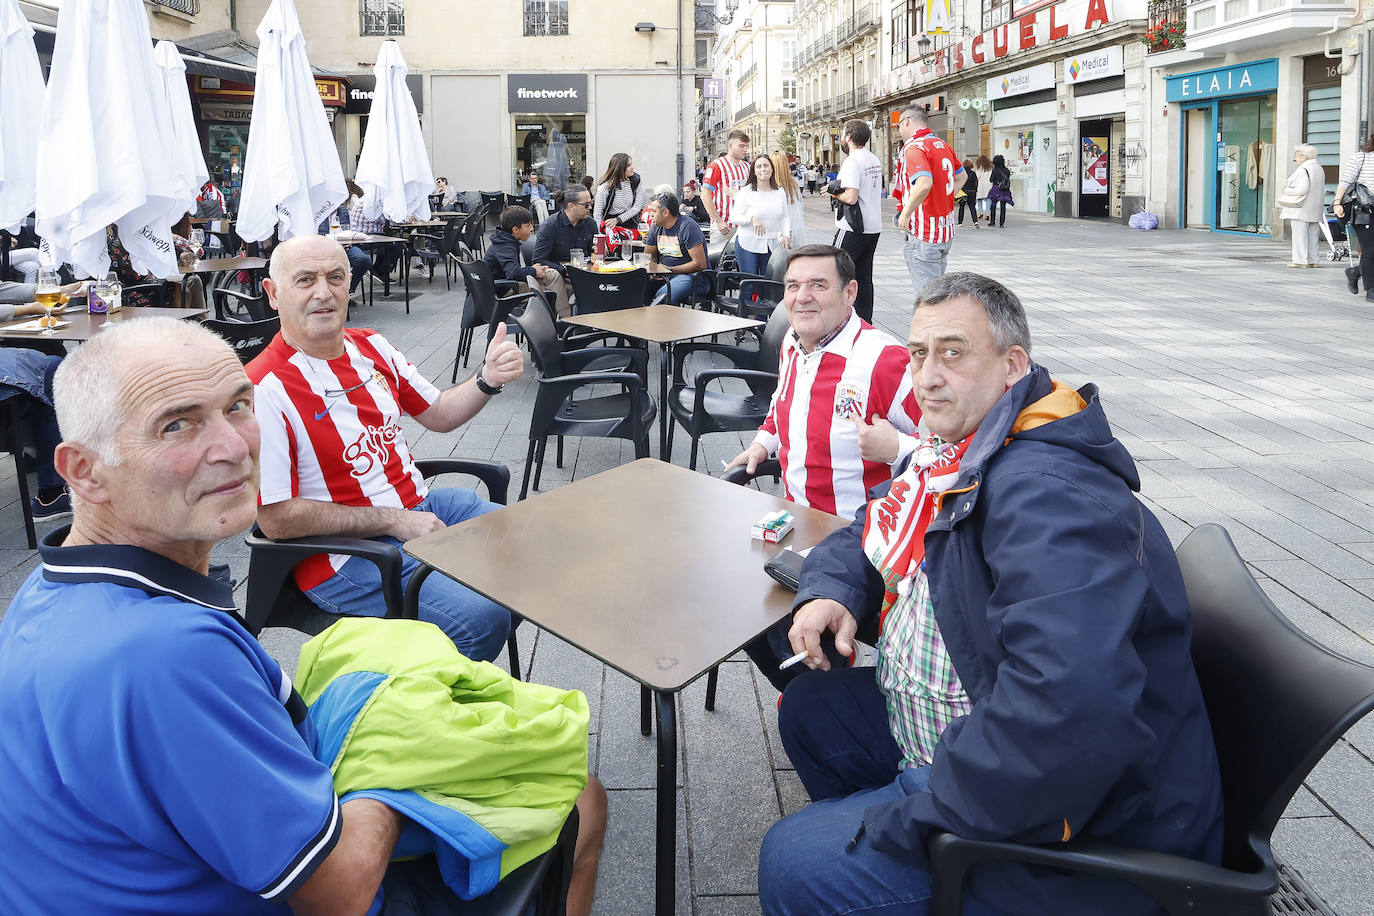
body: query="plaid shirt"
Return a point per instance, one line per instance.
(915, 673)
(359, 223)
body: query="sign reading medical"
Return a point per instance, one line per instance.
(1094, 65)
(563, 93)
(1257, 76)
(1019, 82)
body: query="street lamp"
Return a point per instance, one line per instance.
(730, 7)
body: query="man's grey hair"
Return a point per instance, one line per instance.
(88, 389)
(916, 113)
(281, 255)
(1006, 316)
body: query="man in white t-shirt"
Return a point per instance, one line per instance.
(861, 180)
(334, 458)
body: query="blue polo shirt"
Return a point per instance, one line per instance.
(675, 243)
(149, 761)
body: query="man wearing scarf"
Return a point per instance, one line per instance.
(1033, 680)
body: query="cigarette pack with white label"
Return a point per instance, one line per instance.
(773, 527)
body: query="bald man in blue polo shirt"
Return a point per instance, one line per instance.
(156, 759)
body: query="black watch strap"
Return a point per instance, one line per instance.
(485, 388)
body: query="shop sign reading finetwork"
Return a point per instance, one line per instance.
(362, 86)
(561, 93)
(1094, 65)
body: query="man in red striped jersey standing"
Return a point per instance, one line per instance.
(726, 175)
(928, 175)
(334, 458)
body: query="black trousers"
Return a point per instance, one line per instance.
(1365, 234)
(860, 246)
(972, 206)
(992, 212)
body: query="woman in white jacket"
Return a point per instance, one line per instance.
(1302, 203)
(762, 205)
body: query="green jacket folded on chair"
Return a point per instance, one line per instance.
(486, 767)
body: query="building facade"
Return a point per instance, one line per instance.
(839, 56)
(754, 56)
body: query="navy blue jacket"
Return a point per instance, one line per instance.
(503, 257)
(558, 236)
(1064, 612)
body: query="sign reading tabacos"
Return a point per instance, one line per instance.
(1031, 30)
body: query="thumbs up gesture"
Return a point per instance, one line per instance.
(504, 361)
(878, 441)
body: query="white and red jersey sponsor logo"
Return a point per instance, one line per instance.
(331, 429)
(926, 155)
(726, 173)
(861, 372)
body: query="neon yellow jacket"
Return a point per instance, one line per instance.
(486, 767)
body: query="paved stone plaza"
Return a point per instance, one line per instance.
(1239, 386)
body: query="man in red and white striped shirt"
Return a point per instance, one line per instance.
(726, 175)
(928, 176)
(334, 459)
(843, 412)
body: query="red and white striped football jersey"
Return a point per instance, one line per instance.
(926, 155)
(331, 429)
(861, 371)
(725, 173)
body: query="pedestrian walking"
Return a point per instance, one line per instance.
(760, 208)
(982, 167)
(1300, 202)
(813, 176)
(860, 188)
(1357, 175)
(999, 194)
(968, 194)
(927, 204)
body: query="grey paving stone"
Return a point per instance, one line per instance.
(625, 881)
(727, 906)
(1305, 804)
(1341, 781)
(1339, 864)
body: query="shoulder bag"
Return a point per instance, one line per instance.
(1357, 196)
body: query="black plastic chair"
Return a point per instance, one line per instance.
(606, 292)
(699, 410)
(274, 600)
(14, 437)
(487, 308)
(627, 415)
(493, 202)
(1277, 702)
(156, 292)
(431, 249)
(518, 200)
(248, 338)
(235, 306)
(472, 238)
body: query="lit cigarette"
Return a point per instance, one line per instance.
(792, 661)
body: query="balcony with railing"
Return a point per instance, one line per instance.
(746, 111)
(864, 21)
(185, 7)
(749, 73)
(1216, 27)
(1168, 24)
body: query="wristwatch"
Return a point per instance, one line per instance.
(485, 388)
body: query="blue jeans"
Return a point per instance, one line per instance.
(752, 262)
(358, 262)
(682, 287)
(924, 261)
(834, 728)
(477, 625)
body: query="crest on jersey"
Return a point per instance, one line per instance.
(849, 401)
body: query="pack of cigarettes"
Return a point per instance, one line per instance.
(773, 527)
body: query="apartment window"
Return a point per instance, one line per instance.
(546, 17)
(382, 17)
(789, 90)
(996, 12)
(789, 52)
(703, 54)
(899, 34)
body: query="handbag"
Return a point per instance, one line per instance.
(1357, 196)
(1289, 198)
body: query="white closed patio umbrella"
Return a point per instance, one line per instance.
(394, 170)
(291, 175)
(102, 142)
(184, 158)
(21, 102)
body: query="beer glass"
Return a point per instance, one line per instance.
(48, 293)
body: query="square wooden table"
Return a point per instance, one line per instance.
(649, 568)
(215, 265)
(84, 325)
(664, 325)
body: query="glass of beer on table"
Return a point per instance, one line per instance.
(48, 293)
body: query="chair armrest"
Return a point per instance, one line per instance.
(739, 357)
(386, 557)
(494, 475)
(1180, 885)
(632, 383)
(638, 360)
(769, 467)
(516, 297)
(758, 379)
(506, 287)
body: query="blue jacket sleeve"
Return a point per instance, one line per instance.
(543, 244)
(1062, 722)
(508, 260)
(837, 569)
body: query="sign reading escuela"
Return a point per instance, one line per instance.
(560, 93)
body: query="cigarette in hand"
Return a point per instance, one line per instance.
(792, 661)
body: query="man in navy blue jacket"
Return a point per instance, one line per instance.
(1033, 680)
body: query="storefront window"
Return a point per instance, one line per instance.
(1247, 164)
(225, 160)
(553, 145)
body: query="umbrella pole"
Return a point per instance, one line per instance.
(4, 253)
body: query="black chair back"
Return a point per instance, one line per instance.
(527, 250)
(248, 338)
(777, 265)
(758, 298)
(436, 201)
(607, 292)
(493, 202)
(474, 225)
(518, 200)
(1277, 700)
(537, 325)
(481, 287)
(770, 345)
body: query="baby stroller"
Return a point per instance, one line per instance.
(1333, 227)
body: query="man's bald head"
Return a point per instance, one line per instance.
(309, 290)
(289, 251)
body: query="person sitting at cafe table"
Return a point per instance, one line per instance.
(157, 758)
(359, 261)
(539, 196)
(384, 257)
(692, 205)
(679, 245)
(506, 253)
(570, 228)
(335, 459)
(448, 195)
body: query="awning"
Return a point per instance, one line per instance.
(201, 64)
